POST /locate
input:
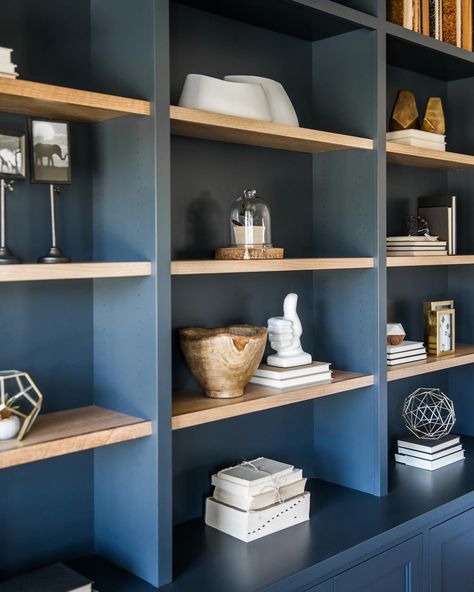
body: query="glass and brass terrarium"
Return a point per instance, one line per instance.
(250, 231)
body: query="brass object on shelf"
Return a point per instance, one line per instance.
(440, 335)
(223, 360)
(233, 253)
(434, 121)
(404, 113)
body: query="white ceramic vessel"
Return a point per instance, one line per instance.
(9, 427)
(281, 108)
(221, 96)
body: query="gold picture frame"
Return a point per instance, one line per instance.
(440, 327)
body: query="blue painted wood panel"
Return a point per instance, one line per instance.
(324, 587)
(451, 553)
(397, 570)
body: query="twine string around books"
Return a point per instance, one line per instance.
(273, 487)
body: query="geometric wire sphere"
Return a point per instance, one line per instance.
(20, 395)
(429, 414)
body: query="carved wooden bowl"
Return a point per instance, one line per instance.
(224, 359)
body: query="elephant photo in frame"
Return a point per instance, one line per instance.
(50, 152)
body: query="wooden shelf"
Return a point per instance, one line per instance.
(30, 272)
(57, 102)
(430, 260)
(238, 130)
(422, 157)
(213, 266)
(65, 432)
(191, 408)
(464, 355)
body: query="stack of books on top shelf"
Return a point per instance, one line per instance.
(419, 139)
(407, 351)
(445, 20)
(415, 246)
(429, 454)
(282, 378)
(257, 498)
(7, 68)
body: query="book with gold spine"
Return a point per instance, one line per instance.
(466, 27)
(395, 11)
(425, 17)
(449, 21)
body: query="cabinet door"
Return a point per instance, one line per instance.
(397, 570)
(452, 554)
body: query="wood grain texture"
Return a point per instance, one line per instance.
(225, 128)
(65, 432)
(212, 266)
(430, 260)
(191, 408)
(464, 355)
(422, 157)
(30, 272)
(57, 102)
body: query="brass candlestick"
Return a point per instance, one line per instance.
(6, 256)
(54, 254)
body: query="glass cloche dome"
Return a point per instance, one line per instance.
(250, 224)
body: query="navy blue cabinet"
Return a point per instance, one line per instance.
(397, 570)
(452, 554)
(324, 587)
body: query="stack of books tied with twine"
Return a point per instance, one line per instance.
(7, 67)
(429, 454)
(257, 498)
(415, 246)
(445, 20)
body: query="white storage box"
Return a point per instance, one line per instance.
(249, 526)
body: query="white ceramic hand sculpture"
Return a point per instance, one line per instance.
(285, 333)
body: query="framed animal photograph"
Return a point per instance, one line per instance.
(12, 155)
(50, 152)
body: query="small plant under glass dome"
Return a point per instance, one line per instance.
(250, 230)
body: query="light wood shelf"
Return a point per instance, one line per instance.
(214, 266)
(58, 102)
(192, 408)
(422, 157)
(430, 260)
(238, 130)
(74, 430)
(464, 355)
(30, 272)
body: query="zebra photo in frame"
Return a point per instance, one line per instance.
(50, 153)
(12, 155)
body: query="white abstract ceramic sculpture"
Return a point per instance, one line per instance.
(221, 96)
(285, 337)
(281, 108)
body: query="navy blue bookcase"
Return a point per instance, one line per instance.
(157, 189)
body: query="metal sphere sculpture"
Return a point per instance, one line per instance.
(429, 413)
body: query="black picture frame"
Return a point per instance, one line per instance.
(50, 176)
(9, 167)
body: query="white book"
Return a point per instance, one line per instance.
(408, 14)
(410, 239)
(404, 346)
(258, 488)
(414, 133)
(5, 53)
(423, 244)
(429, 446)
(407, 354)
(249, 526)
(12, 76)
(265, 371)
(426, 455)
(7, 68)
(427, 464)
(293, 382)
(433, 247)
(417, 253)
(417, 358)
(256, 471)
(268, 497)
(436, 146)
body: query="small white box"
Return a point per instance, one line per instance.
(419, 139)
(252, 525)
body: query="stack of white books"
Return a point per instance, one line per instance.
(7, 67)
(419, 139)
(257, 498)
(282, 378)
(429, 454)
(407, 351)
(415, 246)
